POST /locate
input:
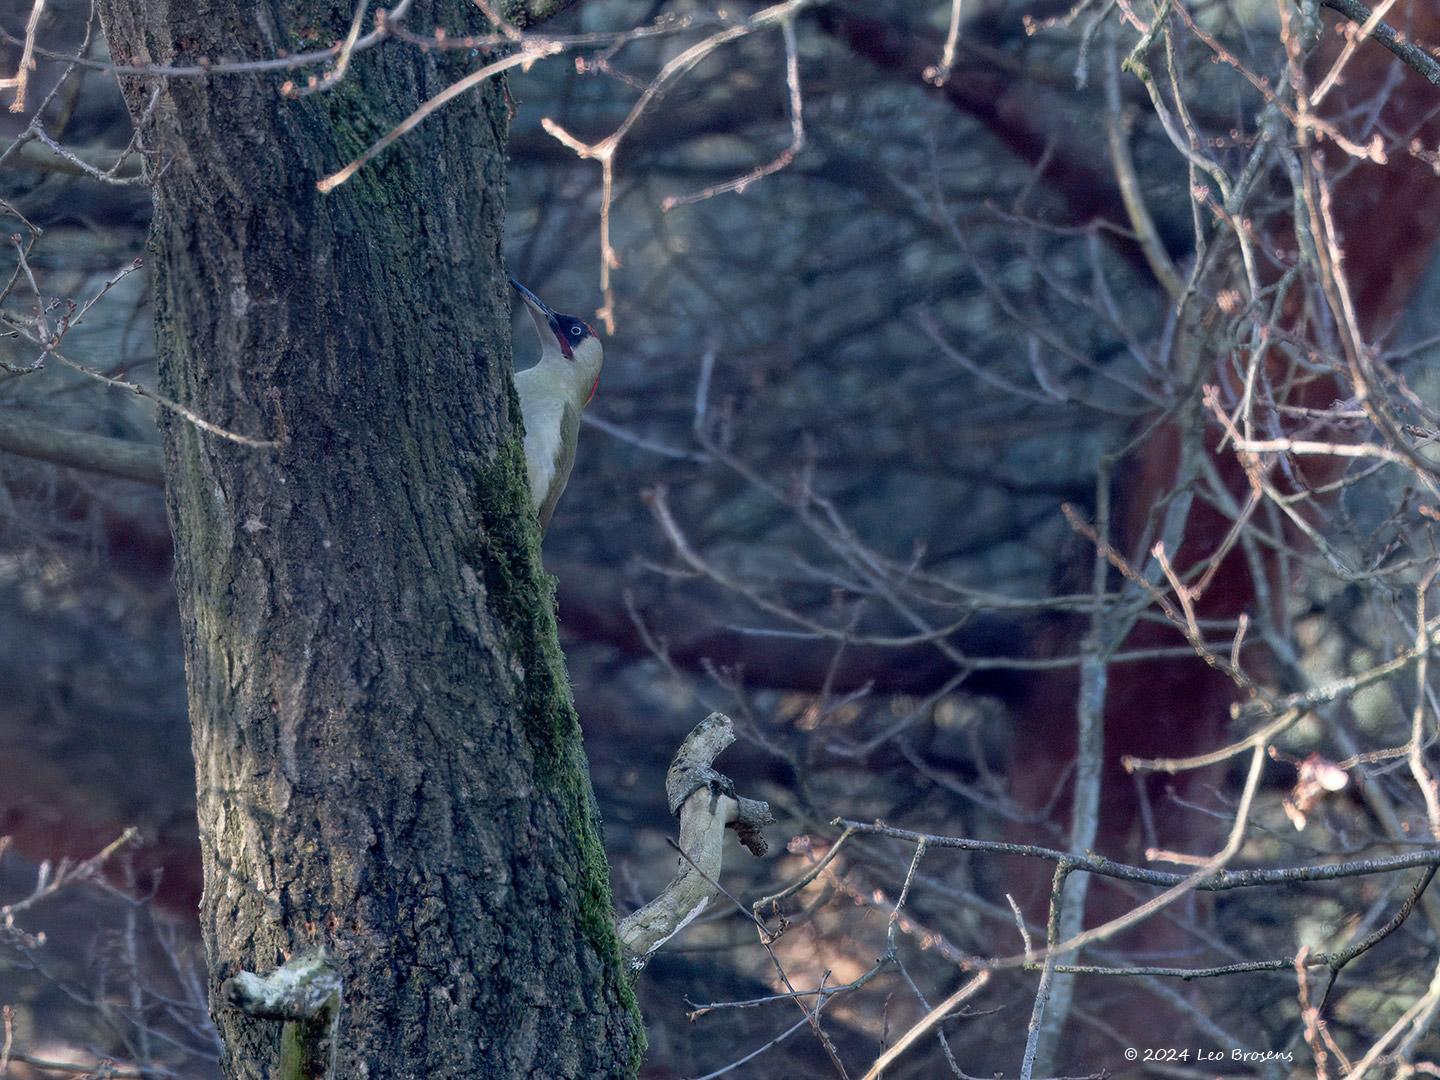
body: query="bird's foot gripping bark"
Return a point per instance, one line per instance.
(707, 805)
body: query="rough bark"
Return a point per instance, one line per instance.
(388, 763)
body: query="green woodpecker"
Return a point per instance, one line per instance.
(552, 395)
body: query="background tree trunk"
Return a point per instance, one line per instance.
(389, 764)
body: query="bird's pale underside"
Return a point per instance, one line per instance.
(552, 395)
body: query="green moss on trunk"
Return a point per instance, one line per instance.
(523, 593)
(388, 760)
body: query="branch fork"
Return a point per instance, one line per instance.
(707, 805)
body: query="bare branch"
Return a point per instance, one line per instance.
(1382, 32)
(531, 52)
(707, 805)
(101, 454)
(21, 81)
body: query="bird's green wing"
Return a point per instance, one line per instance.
(563, 463)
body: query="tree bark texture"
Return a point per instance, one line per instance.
(388, 762)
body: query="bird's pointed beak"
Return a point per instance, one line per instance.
(546, 325)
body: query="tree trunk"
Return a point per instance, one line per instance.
(388, 761)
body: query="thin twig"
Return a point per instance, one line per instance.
(929, 1020)
(21, 81)
(342, 62)
(787, 155)
(165, 403)
(939, 74)
(385, 21)
(1413, 55)
(529, 54)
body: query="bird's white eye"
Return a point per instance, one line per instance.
(575, 331)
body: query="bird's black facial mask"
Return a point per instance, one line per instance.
(563, 327)
(571, 331)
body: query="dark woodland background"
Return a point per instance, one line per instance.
(820, 489)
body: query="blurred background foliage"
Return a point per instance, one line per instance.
(883, 367)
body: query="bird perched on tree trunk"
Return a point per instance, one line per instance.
(552, 395)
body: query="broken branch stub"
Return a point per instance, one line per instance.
(305, 994)
(706, 803)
